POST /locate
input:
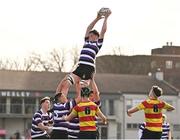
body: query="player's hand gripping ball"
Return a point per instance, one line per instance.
(103, 11)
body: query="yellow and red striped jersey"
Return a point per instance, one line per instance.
(86, 111)
(153, 113)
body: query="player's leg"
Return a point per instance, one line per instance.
(65, 84)
(81, 72)
(88, 75)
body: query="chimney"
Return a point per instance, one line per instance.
(170, 43)
(167, 43)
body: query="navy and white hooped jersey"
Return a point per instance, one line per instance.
(165, 131)
(73, 127)
(89, 52)
(59, 110)
(141, 129)
(40, 117)
(142, 126)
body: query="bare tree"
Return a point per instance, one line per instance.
(57, 59)
(75, 52)
(27, 65)
(35, 62)
(2, 65)
(9, 64)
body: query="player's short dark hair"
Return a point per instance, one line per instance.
(44, 99)
(85, 92)
(57, 95)
(157, 91)
(95, 32)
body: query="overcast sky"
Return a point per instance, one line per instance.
(137, 26)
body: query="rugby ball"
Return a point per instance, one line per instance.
(103, 11)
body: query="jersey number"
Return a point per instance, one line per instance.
(155, 108)
(87, 110)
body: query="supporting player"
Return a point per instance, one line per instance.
(73, 130)
(86, 110)
(62, 106)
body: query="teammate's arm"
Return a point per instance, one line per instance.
(78, 92)
(169, 107)
(101, 115)
(131, 111)
(104, 26)
(169, 135)
(91, 25)
(135, 109)
(70, 116)
(43, 127)
(95, 90)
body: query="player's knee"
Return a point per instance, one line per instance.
(70, 79)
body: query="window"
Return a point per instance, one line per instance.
(111, 107)
(177, 65)
(169, 64)
(103, 106)
(118, 130)
(135, 102)
(128, 126)
(16, 105)
(153, 64)
(176, 127)
(30, 105)
(132, 126)
(103, 132)
(2, 105)
(29, 124)
(128, 104)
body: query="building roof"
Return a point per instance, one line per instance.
(130, 84)
(107, 83)
(32, 81)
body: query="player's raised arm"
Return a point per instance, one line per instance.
(95, 90)
(104, 26)
(91, 25)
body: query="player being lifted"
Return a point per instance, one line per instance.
(86, 64)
